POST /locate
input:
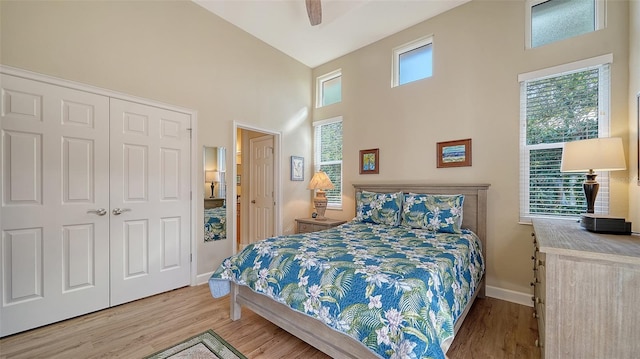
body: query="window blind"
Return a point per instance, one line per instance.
(328, 156)
(569, 106)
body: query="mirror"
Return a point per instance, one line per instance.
(215, 209)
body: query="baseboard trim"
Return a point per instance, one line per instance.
(510, 295)
(203, 278)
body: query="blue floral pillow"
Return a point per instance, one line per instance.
(380, 208)
(436, 213)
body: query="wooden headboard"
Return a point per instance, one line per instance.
(475, 200)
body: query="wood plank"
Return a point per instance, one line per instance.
(143, 327)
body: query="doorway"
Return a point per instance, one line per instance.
(257, 189)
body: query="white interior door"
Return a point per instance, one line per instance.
(261, 189)
(150, 200)
(55, 194)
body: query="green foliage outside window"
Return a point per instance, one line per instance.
(329, 145)
(559, 109)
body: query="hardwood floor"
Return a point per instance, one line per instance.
(493, 329)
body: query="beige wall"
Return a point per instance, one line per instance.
(474, 93)
(634, 112)
(174, 52)
(178, 53)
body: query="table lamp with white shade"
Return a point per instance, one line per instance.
(320, 182)
(596, 154)
(213, 177)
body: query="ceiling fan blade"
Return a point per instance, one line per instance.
(314, 10)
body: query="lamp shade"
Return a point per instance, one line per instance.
(320, 181)
(212, 176)
(598, 154)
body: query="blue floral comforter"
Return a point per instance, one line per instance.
(397, 290)
(215, 223)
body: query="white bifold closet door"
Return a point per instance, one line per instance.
(150, 174)
(95, 202)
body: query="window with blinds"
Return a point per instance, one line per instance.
(558, 108)
(328, 156)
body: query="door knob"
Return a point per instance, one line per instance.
(118, 211)
(99, 211)
(253, 201)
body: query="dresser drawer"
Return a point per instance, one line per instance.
(307, 225)
(539, 292)
(307, 228)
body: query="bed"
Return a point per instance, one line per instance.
(423, 315)
(215, 223)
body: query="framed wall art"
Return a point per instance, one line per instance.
(454, 153)
(370, 161)
(297, 168)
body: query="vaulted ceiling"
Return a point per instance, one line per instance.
(347, 25)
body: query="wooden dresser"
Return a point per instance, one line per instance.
(586, 292)
(306, 225)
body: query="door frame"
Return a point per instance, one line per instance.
(277, 177)
(195, 177)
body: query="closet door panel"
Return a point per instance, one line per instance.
(150, 200)
(55, 245)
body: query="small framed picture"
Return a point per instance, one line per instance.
(454, 153)
(297, 168)
(369, 161)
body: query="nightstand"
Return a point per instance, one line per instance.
(213, 202)
(306, 225)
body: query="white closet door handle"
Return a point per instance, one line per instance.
(118, 211)
(99, 211)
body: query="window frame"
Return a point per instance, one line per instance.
(320, 80)
(604, 101)
(404, 48)
(600, 10)
(317, 163)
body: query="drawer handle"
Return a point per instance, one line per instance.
(536, 300)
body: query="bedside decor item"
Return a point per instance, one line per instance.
(598, 223)
(596, 154)
(454, 153)
(213, 177)
(297, 168)
(370, 161)
(320, 182)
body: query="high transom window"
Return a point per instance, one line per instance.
(329, 88)
(413, 61)
(549, 21)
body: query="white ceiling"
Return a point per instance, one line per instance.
(347, 25)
